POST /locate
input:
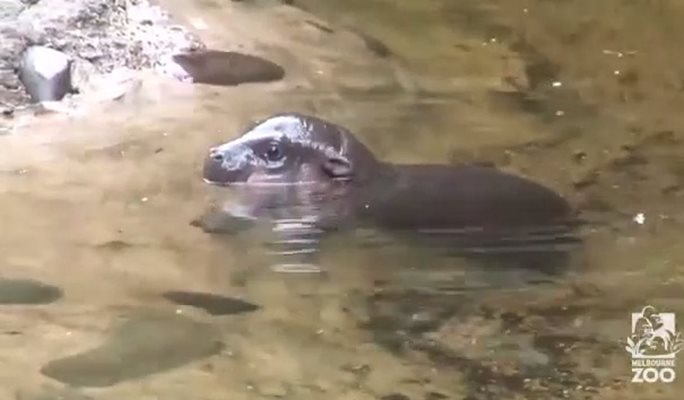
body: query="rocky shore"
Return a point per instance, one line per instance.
(97, 37)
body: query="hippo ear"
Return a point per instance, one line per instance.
(338, 167)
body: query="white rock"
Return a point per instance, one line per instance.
(45, 73)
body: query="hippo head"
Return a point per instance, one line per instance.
(290, 166)
(289, 149)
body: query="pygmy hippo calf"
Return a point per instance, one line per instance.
(294, 159)
(294, 167)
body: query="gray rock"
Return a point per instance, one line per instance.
(45, 73)
(145, 344)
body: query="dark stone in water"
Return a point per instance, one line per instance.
(212, 303)
(227, 68)
(373, 44)
(143, 345)
(395, 396)
(320, 26)
(27, 291)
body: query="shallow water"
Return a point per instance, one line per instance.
(582, 96)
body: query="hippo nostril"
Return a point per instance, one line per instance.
(216, 155)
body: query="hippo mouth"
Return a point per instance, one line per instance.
(214, 174)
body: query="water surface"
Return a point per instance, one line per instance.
(582, 96)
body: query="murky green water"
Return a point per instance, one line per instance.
(582, 96)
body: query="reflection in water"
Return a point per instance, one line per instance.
(101, 209)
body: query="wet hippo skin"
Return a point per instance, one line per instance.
(302, 168)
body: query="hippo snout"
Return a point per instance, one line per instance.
(215, 154)
(226, 164)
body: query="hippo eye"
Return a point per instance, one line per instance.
(274, 152)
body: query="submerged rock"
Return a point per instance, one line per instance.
(212, 303)
(27, 291)
(395, 396)
(226, 68)
(143, 345)
(375, 45)
(45, 73)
